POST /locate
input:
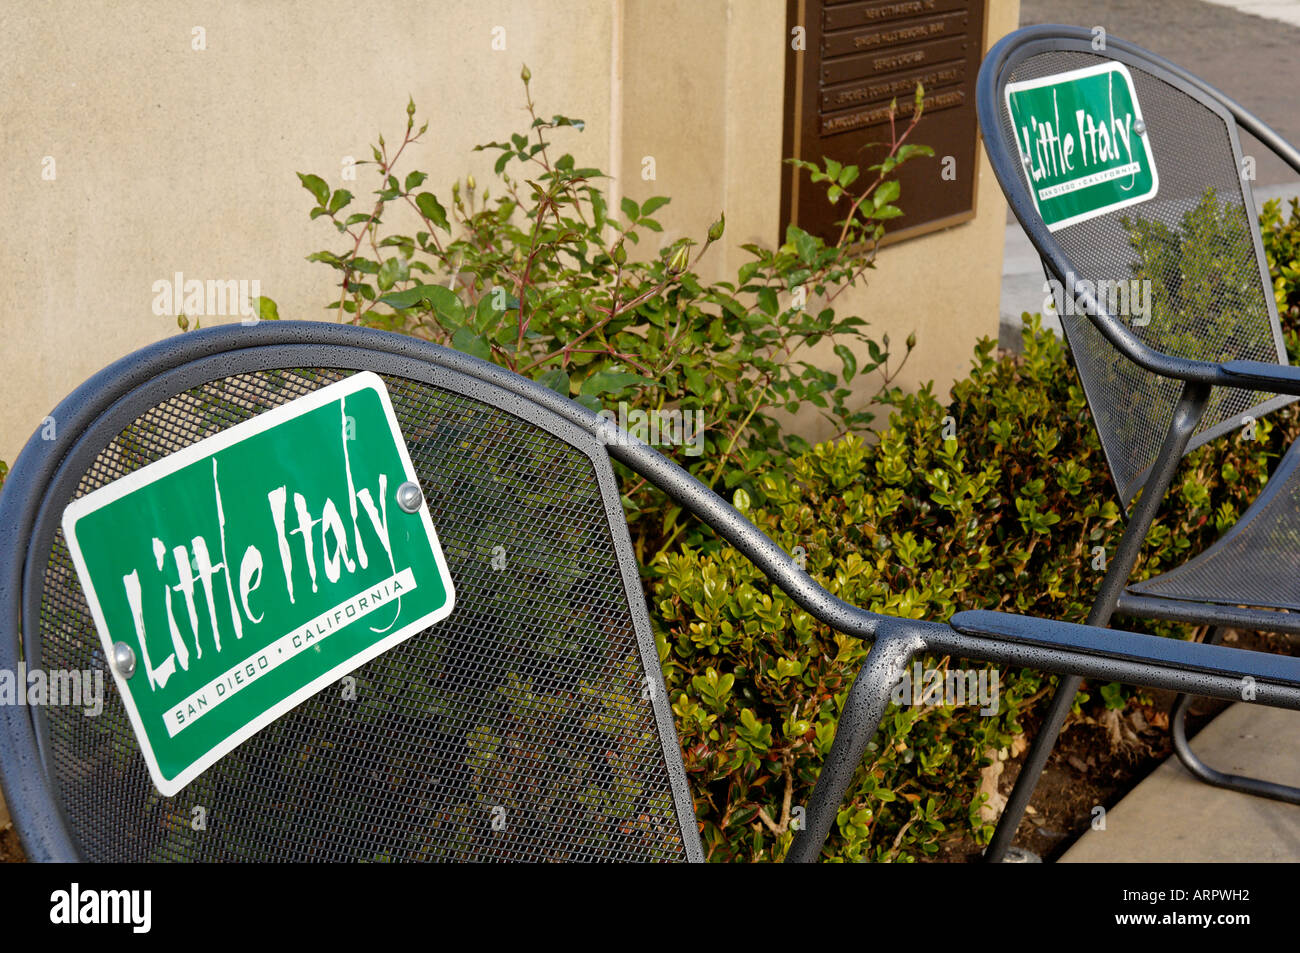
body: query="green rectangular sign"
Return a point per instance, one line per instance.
(1083, 143)
(252, 569)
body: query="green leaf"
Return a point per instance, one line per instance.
(414, 179)
(1113, 695)
(267, 310)
(909, 151)
(653, 204)
(556, 379)
(441, 300)
(605, 382)
(316, 186)
(392, 271)
(696, 382)
(848, 359)
(475, 345)
(487, 315)
(886, 192)
(767, 302)
(804, 243)
(432, 209)
(340, 199)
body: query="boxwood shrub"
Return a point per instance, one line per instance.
(997, 499)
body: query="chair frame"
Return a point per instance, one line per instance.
(1078, 651)
(1198, 378)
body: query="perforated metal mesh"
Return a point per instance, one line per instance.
(1194, 243)
(1257, 563)
(519, 728)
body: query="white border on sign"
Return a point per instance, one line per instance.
(1053, 80)
(205, 448)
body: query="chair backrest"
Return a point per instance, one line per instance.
(531, 724)
(1178, 262)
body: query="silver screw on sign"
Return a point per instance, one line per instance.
(124, 659)
(409, 497)
(1140, 127)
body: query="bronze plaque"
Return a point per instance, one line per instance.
(858, 56)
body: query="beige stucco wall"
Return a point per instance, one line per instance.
(172, 159)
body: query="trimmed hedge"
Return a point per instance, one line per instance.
(1014, 511)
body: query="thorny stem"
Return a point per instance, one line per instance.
(896, 143)
(385, 168)
(717, 469)
(561, 188)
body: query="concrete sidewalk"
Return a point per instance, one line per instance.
(1171, 816)
(1284, 11)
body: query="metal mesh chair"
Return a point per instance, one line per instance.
(1201, 356)
(540, 694)
(544, 663)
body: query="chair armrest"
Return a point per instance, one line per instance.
(1195, 657)
(1261, 375)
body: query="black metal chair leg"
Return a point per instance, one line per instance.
(1187, 413)
(1040, 749)
(863, 710)
(1202, 771)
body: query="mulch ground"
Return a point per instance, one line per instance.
(10, 850)
(1087, 768)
